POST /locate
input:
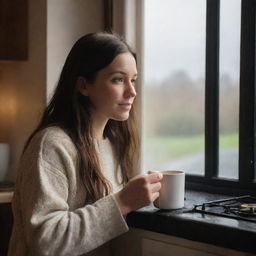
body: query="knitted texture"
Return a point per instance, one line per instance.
(53, 215)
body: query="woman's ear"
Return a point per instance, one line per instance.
(81, 85)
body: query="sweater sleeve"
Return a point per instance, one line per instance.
(51, 227)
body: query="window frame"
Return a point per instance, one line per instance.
(210, 182)
(247, 118)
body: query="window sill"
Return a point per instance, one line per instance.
(220, 231)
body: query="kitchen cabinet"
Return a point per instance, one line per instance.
(139, 242)
(153, 248)
(6, 221)
(13, 29)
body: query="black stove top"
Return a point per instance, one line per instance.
(241, 208)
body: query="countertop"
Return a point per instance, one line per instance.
(6, 196)
(220, 231)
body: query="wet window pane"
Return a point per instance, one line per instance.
(174, 85)
(230, 25)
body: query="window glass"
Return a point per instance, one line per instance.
(174, 85)
(230, 25)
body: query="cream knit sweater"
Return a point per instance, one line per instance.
(52, 213)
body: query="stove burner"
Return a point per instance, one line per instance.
(247, 209)
(243, 208)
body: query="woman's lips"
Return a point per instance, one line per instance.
(125, 106)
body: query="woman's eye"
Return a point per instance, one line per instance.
(118, 80)
(133, 81)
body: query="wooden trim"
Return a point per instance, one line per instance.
(247, 117)
(14, 30)
(108, 15)
(220, 186)
(212, 89)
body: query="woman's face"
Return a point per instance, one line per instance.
(113, 91)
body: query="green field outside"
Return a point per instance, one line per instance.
(179, 146)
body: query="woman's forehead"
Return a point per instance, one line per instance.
(123, 63)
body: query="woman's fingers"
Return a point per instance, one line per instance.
(155, 196)
(155, 187)
(140, 191)
(154, 177)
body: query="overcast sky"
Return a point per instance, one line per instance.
(175, 38)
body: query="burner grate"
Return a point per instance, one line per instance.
(240, 208)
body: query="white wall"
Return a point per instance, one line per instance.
(68, 20)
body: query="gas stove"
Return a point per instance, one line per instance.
(240, 208)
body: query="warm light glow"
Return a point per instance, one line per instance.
(8, 108)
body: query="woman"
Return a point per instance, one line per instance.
(74, 183)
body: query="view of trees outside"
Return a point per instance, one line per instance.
(174, 85)
(174, 124)
(174, 88)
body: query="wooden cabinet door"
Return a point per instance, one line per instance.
(156, 248)
(13, 29)
(6, 222)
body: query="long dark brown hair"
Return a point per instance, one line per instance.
(71, 111)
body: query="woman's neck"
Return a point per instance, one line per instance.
(98, 126)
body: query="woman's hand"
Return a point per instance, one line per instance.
(140, 191)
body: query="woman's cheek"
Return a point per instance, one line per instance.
(114, 93)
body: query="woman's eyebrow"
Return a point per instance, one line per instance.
(121, 72)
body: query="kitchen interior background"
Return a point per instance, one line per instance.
(25, 84)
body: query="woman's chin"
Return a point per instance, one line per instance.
(122, 117)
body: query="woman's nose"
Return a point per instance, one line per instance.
(130, 90)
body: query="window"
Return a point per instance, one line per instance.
(229, 65)
(199, 92)
(174, 88)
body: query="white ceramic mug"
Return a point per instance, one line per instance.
(172, 191)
